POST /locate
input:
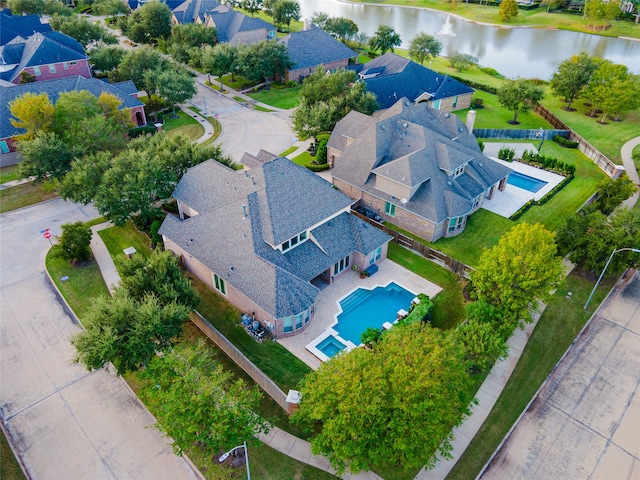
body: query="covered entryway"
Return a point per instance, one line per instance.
(323, 280)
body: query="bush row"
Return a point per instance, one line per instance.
(548, 163)
(564, 142)
(543, 200)
(315, 167)
(506, 154)
(476, 85)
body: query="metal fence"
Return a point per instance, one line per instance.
(242, 361)
(513, 134)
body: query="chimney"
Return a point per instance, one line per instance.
(307, 24)
(471, 120)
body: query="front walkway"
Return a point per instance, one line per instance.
(327, 306)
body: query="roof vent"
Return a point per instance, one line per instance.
(244, 211)
(449, 182)
(383, 127)
(447, 115)
(460, 129)
(407, 103)
(480, 164)
(405, 125)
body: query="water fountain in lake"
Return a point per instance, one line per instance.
(446, 29)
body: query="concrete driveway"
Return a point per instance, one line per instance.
(64, 422)
(245, 129)
(585, 421)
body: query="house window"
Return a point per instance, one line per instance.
(436, 104)
(298, 321)
(458, 171)
(219, 284)
(375, 255)
(303, 236)
(36, 71)
(286, 246)
(287, 324)
(4, 148)
(456, 223)
(52, 68)
(292, 242)
(390, 209)
(65, 65)
(72, 63)
(341, 265)
(454, 104)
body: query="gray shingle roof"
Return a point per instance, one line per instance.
(280, 196)
(398, 77)
(23, 26)
(41, 48)
(313, 47)
(418, 147)
(230, 23)
(190, 10)
(53, 88)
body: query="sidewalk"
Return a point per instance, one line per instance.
(629, 166)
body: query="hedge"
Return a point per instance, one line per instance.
(314, 167)
(563, 142)
(543, 200)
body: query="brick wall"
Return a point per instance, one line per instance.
(446, 104)
(81, 68)
(300, 73)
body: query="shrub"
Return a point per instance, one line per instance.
(75, 242)
(491, 71)
(481, 145)
(314, 167)
(156, 238)
(321, 153)
(564, 142)
(506, 154)
(477, 103)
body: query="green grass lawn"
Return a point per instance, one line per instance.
(303, 159)
(238, 82)
(558, 326)
(183, 125)
(289, 150)
(25, 195)
(279, 97)
(9, 466)
(117, 239)
(8, 174)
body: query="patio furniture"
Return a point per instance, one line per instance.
(371, 269)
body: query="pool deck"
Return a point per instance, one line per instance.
(327, 306)
(509, 201)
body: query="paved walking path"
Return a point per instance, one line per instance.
(629, 166)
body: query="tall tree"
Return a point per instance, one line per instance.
(284, 11)
(517, 273)
(423, 47)
(173, 85)
(342, 28)
(75, 242)
(611, 193)
(462, 61)
(572, 76)
(45, 155)
(82, 30)
(126, 332)
(601, 12)
(136, 62)
(33, 112)
(519, 96)
(106, 58)
(609, 88)
(27, 7)
(320, 19)
(252, 6)
(219, 60)
(392, 406)
(150, 23)
(264, 61)
(219, 412)
(194, 35)
(385, 39)
(109, 7)
(508, 9)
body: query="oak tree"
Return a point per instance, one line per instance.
(572, 76)
(384, 39)
(423, 47)
(519, 96)
(33, 112)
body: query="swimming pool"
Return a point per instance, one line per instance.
(371, 308)
(330, 346)
(525, 182)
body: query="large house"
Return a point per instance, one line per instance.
(417, 167)
(32, 47)
(232, 27)
(268, 238)
(391, 77)
(313, 47)
(125, 91)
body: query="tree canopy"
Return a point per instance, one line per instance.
(341, 28)
(75, 242)
(384, 39)
(263, 61)
(284, 11)
(149, 23)
(423, 47)
(612, 89)
(519, 96)
(392, 406)
(33, 112)
(106, 58)
(517, 273)
(219, 60)
(82, 30)
(508, 9)
(462, 61)
(136, 63)
(325, 99)
(571, 77)
(174, 85)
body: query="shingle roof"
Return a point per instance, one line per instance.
(312, 47)
(395, 77)
(231, 234)
(23, 26)
(230, 23)
(53, 88)
(190, 10)
(418, 147)
(39, 49)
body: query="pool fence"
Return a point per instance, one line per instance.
(258, 376)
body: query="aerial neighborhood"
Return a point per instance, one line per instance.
(299, 249)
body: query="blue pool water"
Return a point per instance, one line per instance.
(370, 308)
(525, 182)
(330, 346)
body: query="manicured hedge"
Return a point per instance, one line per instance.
(314, 167)
(563, 142)
(543, 200)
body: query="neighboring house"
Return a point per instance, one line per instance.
(232, 27)
(312, 47)
(391, 77)
(417, 167)
(12, 26)
(268, 238)
(126, 91)
(45, 55)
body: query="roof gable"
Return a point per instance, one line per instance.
(313, 47)
(19, 26)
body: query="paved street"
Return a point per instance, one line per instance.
(585, 421)
(64, 422)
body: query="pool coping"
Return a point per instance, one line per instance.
(330, 331)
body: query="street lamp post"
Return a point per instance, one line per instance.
(637, 250)
(225, 455)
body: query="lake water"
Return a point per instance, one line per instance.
(514, 52)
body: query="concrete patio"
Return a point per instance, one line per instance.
(327, 306)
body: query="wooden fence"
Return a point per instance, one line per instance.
(242, 361)
(421, 249)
